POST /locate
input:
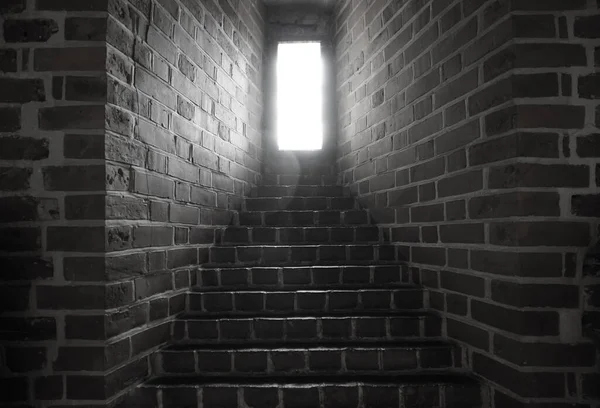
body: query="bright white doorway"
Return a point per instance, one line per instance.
(299, 96)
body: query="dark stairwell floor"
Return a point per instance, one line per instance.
(305, 304)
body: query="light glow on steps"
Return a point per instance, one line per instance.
(299, 96)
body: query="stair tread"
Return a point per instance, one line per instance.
(302, 211)
(429, 377)
(303, 245)
(309, 314)
(236, 228)
(296, 197)
(303, 185)
(302, 289)
(296, 267)
(303, 345)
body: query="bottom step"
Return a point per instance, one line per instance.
(374, 391)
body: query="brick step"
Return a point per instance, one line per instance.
(299, 179)
(307, 359)
(323, 218)
(273, 168)
(290, 255)
(300, 235)
(299, 203)
(315, 327)
(427, 390)
(304, 277)
(283, 190)
(253, 301)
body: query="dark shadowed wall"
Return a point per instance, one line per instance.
(130, 133)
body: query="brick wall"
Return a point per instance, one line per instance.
(130, 133)
(184, 87)
(52, 86)
(471, 127)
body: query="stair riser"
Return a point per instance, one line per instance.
(314, 396)
(299, 180)
(311, 328)
(300, 236)
(298, 361)
(307, 277)
(302, 255)
(299, 204)
(278, 189)
(304, 218)
(253, 302)
(271, 170)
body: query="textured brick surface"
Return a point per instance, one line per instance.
(494, 168)
(129, 131)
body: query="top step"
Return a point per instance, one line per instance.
(299, 179)
(300, 162)
(294, 190)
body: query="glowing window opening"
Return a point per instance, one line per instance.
(299, 96)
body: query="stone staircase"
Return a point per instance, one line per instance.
(304, 304)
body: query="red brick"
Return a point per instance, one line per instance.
(85, 88)
(520, 264)
(48, 387)
(72, 117)
(84, 146)
(463, 283)
(534, 26)
(453, 42)
(525, 384)
(70, 59)
(28, 328)
(469, 334)
(534, 56)
(488, 42)
(34, 30)
(587, 26)
(535, 295)
(8, 60)
(74, 178)
(23, 148)
(536, 354)
(539, 175)
(526, 323)
(515, 204)
(26, 268)
(518, 144)
(535, 116)
(12, 6)
(14, 178)
(460, 184)
(68, 239)
(427, 170)
(516, 86)
(85, 29)
(543, 233)
(458, 137)
(17, 90)
(71, 5)
(10, 117)
(588, 86)
(23, 359)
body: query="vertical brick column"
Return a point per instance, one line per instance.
(464, 124)
(131, 131)
(52, 119)
(183, 140)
